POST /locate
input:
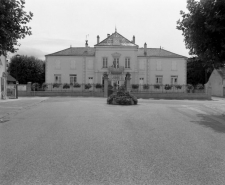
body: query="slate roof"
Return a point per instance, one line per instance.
(221, 71)
(157, 52)
(115, 40)
(10, 79)
(75, 51)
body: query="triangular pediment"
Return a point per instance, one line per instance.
(116, 40)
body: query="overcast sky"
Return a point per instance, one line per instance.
(57, 24)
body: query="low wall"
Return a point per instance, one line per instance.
(60, 93)
(189, 96)
(144, 95)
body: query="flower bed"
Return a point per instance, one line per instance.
(122, 98)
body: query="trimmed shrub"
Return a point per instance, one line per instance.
(66, 86)
(178, 86)
(56, 85)
(168, 87)
(98, 86)
(135, 86)
(122, 98)
(156, 86)
(76, 85)
(87, 86)
(199, 87)
(146, 86)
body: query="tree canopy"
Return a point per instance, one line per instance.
(13, 24)
(27, 69)
(203, 29)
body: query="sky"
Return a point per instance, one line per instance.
(59, 24)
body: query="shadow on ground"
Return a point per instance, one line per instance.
(215, 122)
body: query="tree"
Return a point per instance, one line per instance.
(196, 73)
(27, 69)
(204, 30)
(13, 24)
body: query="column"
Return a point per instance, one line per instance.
(128, 86)
(106, 78)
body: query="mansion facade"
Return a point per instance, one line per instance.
(116, 56)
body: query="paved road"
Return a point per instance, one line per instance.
(85, 141)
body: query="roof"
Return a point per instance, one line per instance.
(75, 51)
(116, 40)
(10, 79)
(158, 52)
(221, 71)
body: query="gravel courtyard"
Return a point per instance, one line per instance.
(66, 140)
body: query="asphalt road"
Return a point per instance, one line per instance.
(85, 141)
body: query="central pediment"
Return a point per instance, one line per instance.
(115, 40)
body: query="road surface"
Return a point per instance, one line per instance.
(84, 141)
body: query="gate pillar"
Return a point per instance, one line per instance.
(127, 79)
(106, 79)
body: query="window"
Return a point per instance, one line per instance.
(57, 78)
(159, 79)
(174, 79)
(57, 65)
(105, 62)
(141, 81)
(127, 62)
(73, 79)
(90, 80)
(116, 63)
(72, 64)
(174, 65)
(159, 65)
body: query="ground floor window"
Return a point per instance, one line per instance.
(159, 79)
(90, 80)
(57, 78)
(174, 79)
(141, 81)
(73, 79)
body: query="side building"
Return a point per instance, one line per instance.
(116, 56)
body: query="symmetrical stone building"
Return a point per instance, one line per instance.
(116, 56)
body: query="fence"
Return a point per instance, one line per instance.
(158, 88)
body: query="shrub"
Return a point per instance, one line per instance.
(44, 86)
(122, 98)
(56, 85)
(35, 87)
(76, 85)
(178, 86)
(110, 86)
(98, 86)
(122, 88)
(199, 87)
(66, 86)
(135, 86)
(87, 86)
(190, 87)
(156, 86)
(146, 86)
(168, 87)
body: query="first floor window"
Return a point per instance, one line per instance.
(174, 79)
(127, 62)
(57, 78)
(73, 79)
(90, 80)
(105, 62)
(159, 79)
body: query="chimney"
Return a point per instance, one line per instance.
(145, 49)
(98, 39)
(108, 35)
(133, 39)
(86, 44)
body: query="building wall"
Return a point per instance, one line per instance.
(2, 79)
(216, 82)
(149, 71)
(92, 67)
